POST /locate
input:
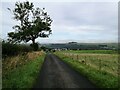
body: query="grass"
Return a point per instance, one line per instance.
(106, 62)
(104, 77)
(92, 51)
(24, 75)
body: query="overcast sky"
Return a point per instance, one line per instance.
(73, 21)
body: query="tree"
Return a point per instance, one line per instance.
(33, 23)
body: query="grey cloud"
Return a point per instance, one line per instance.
(72, 21)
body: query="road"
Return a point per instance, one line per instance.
(56, 74)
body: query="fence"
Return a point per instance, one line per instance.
(105, 62)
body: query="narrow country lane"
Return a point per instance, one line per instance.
(56, 74)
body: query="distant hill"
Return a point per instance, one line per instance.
(81, 46)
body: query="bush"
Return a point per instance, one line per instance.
(9, 49)
(25, 48)
(34, 46)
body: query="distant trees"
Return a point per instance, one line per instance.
(32, 23)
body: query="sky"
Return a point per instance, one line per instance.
(83, 22)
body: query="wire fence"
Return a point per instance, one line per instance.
(101, 62)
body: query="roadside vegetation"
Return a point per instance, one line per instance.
(99, 66)
(21, 71)
(20, 65)
(10, 49)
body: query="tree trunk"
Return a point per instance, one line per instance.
(33, 41)
(34, 45)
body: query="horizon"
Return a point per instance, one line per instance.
(77, 43)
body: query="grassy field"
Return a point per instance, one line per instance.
(92, 51)
(99, 66)
(21, 71)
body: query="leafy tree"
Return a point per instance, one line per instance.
(33, 23)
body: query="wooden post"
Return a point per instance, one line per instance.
(72, 56)
(77, 56)
(85, 59)
(99, 64)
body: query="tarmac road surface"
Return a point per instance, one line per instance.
(56, 74)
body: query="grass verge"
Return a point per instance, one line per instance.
(99, 78)
(23, 76)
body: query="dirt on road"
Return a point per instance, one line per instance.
(56, 74)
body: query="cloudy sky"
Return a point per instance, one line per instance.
(73, 21)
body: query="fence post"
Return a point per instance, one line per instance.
(72, 56)
(99, 64)
(77, 56)
(85, 60)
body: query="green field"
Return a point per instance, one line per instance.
(99, 66)
(92, 51)
(25, 74)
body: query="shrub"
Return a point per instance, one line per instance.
(10, 49)
(34, 46)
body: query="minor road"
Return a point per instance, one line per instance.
(56, 74)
